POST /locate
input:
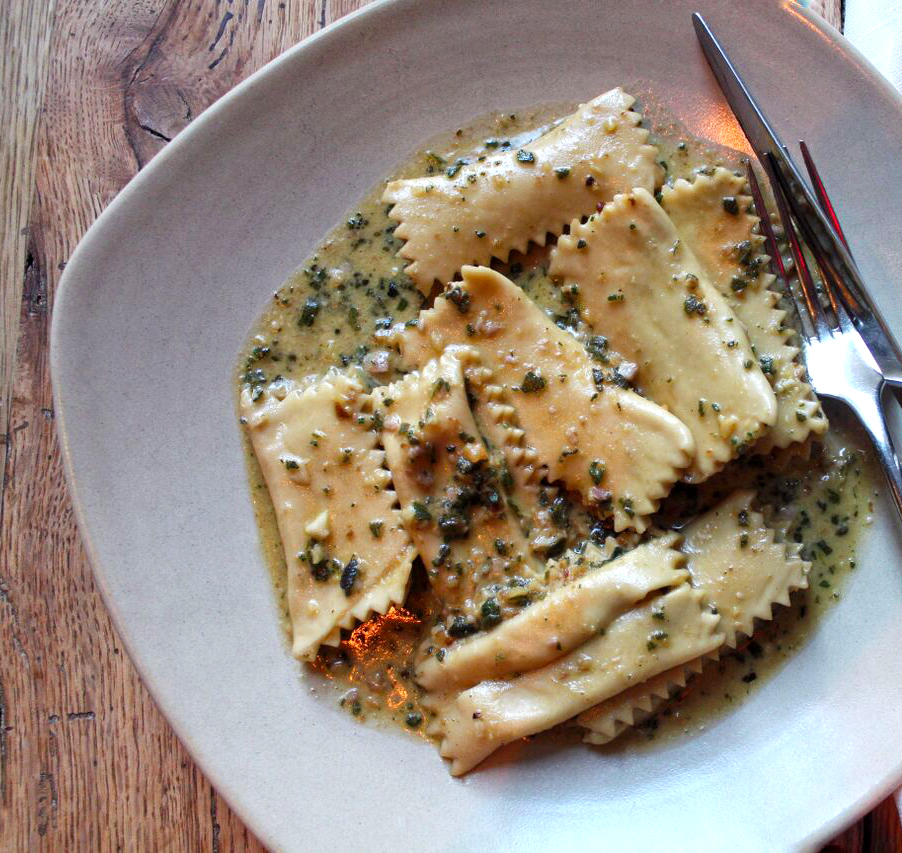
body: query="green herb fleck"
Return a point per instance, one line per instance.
(694, 305)
(441, 384)
(460, 627)
(443, 553)
(597, 345)
(459, 297)
(532, 382)
(453, 525)
(349, 575)
(309, 312)
(490, 613)
(420, 513)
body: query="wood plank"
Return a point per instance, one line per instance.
(24, 60)
(86, 761)
(830, 10)
(877, 832)
(82, 730)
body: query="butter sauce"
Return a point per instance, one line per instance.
(336, 309)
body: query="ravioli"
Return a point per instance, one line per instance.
(568, 615)
(714, 218)
(642, 289)
(734, 559)
(490, 479)
(346, 550)
(620, 451)
(484, 209)
(667, 631)
(532, 501)
(452, 502)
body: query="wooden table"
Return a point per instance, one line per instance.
(90, 91)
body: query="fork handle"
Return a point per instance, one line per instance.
(870, 413)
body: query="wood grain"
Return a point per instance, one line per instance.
(24, 58)
(86, 761)
(830, 10)
(90, 91)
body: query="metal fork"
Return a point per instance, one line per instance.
(838, 361)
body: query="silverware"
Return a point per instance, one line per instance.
(849, 352)
(814, 224)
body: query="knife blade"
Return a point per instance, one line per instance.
(832, 255)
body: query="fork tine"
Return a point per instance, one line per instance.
(845, 321)
(806, 327)
(770, 239)
(807, 330)
(813, 305)
(821, 192)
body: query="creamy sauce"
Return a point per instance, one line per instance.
(333, 311)
(825, 503)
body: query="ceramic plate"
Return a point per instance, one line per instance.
(148, 321)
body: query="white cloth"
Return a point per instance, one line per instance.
(875, 28)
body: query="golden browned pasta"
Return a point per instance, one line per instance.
(636, 646)
(715, 218)
(641, 288)
(620, 451)
(346, 551)
(735, 560)
(485, 209)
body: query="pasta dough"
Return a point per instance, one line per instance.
(734, 559)
(486, 209)
(328, 487)
(714, 218)
(618, 450)
(451, 496)
(643, 290)
(636, 646)
(532, 501)
(569, 615)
